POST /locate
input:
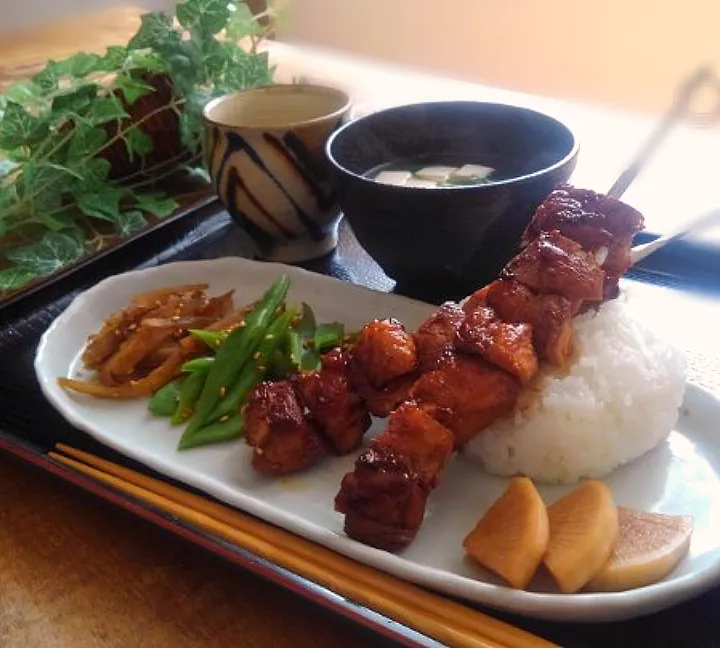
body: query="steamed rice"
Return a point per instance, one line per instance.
(619, 399)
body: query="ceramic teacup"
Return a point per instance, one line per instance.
(265, 149)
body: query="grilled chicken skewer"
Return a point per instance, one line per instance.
(477, 358)
(461, 370)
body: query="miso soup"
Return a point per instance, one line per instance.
(438, 172)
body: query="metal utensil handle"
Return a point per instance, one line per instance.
(680, 109)
(639, 252)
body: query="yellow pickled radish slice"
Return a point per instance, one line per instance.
(512, 536)
(649, 547)
(583, 532)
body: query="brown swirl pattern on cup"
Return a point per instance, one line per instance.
(276, 184)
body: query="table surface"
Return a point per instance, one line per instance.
(75, 571)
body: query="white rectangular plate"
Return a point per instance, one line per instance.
(679, 477)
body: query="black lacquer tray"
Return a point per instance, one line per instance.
(29, 427)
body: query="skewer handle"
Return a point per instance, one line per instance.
(681, 108)
(639, 252)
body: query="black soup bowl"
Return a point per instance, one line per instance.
(443, 242)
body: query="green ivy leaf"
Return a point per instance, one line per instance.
(104, 203)
(242, 23)
(145, 61)
(215, 66)
(63, 170)
(52, 252)
(245, 71)
(47, 79)
(203, 17)
(184, 71)
(58, 220)
(137, 142)
(129, 222)
(47, 200)
(24, 92)
(85, 142)
(191, 119)
(107, 109)
(80, 65)
(157, 205)
(133, 89)
(154, 28)
(96, 171)
(14, 278)
(19, 128)
(46, 183)
(76, 100)
(114, 58)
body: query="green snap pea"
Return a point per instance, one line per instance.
(235, 352)
(189, 394)
(328, 336)
(255, 370)
(280, 365)
(213, 339)
(198, 364)
(299, 339)
(164, 401)
(218, 432)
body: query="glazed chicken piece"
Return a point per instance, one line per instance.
(550, 317)
(591, 219)
(383, 365)
(284, 439)
(554, 264)
(466, 395)
(384, 498)
(336, 408)
(384, 351)
(476, 300)
(416, 435)
(380, 402)
(435, 338)
(509, 346)
(594, 221)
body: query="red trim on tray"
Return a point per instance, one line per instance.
(205, 541)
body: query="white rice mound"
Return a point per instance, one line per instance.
(619, 399)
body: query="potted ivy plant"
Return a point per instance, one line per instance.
(86, 141)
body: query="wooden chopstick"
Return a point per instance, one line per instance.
(435, 616)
